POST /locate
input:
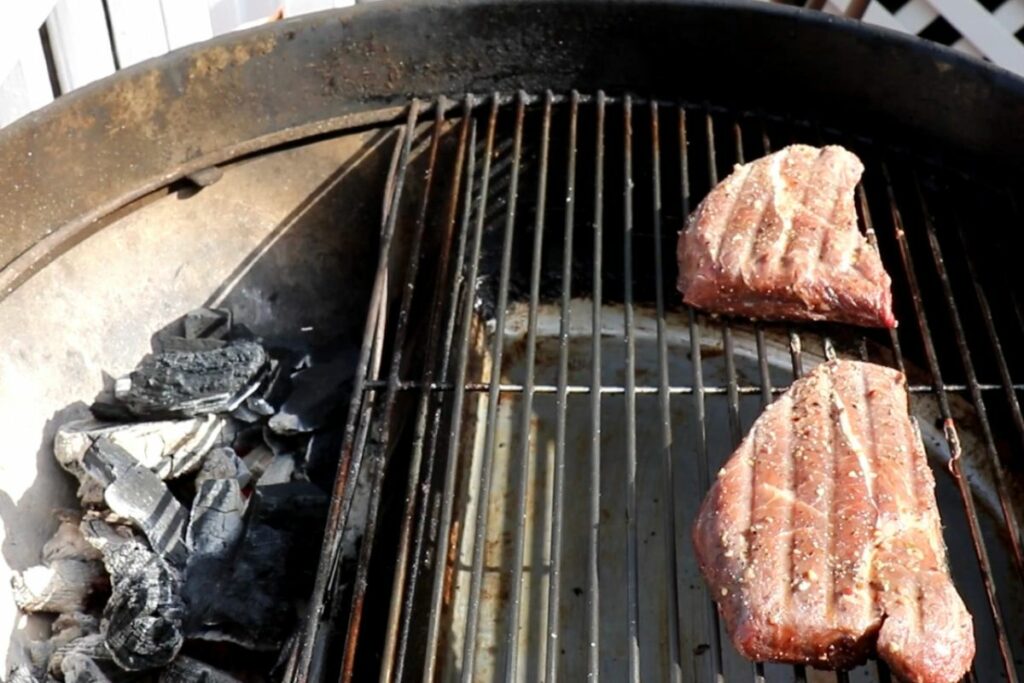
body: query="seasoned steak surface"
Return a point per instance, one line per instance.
(821, 540)
(778, 239)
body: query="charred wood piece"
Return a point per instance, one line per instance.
(189, 670)
(207, 323)
(143, 621)
(70, 576)
(248, 600)
(279, 471)
(188, 383)
(217, 520)
(90, 646)
(78, 668)
(223, 463)
(135, 493)
(68, 543)
(316, 393)
(169, 448)
(62, 586)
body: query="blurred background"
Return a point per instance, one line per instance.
(50, 47)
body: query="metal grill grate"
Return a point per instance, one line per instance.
(526, 277)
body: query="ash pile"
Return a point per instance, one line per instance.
(204, 480)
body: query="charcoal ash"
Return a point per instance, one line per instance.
(169, 448)
(216, 524)
(188, 670)
(224, 463)
(143, 620)
(134, 493)
(249, 600)
(204, 478)
(70, 575)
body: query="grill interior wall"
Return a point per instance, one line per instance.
(470, 183)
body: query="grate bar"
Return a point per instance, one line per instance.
(673, 614)
(378, 454)
(593, 576)
(990, 329)
(558, 495)
(421, 551)
(767, 390)
(703, 475)
(949, 427)
(315, 632)
(632, 541)
(458, 399)
(1010, 515)
(516, 585)
(392, 668)
(490, 431)
(732, 388)
(673, 389)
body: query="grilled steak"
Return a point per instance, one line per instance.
(778, 239)
(821, 540)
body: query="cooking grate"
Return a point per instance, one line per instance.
(527, 248)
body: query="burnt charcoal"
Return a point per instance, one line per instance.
(23, 673)
(260, 406)
(135, 493)
(184, 383)
(184, 344)
(216, 524)
(74, 625)
(170, 448)
(189, 670)
(250, 602)
(243, 438)
(243, 414)
(223, 463)
(243, 603)
(282, 444)
(61, 586)
(241, 332)
(297, 503)
(279, 471)
(99, 533)
(39, 653)
(143, 621)
(258, 460)
(91, 646)
(279, 382)
(68, 543)
(71, 573)
(78, 668)
(109, 409)
(317, 393)
(322, 454)
(207, 323)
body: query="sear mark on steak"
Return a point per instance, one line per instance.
(821, 539)
(778, 239)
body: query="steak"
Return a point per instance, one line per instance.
(821, 540)
(778, 239)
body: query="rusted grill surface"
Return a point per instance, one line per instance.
(511, 220)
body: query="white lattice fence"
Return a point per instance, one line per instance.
(984, 28)
(48, 47)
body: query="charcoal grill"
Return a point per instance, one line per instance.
(488, 197)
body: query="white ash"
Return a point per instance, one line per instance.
(169, 448)
(62, 586)
(279, 471)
